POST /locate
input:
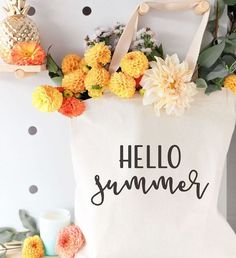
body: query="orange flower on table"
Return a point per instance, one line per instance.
(72, 107)
(69, 242)
(28, 53)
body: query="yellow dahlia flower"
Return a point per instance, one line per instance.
(74, 81)
(47, 99)
(230, 82)
(95, 92)
(122, 85)
(134, 64)
(33, 247)
(70, 63)
(97, 76)
(99, 54)
(84, 66)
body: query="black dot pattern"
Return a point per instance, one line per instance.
(33, 189)
(32, 130)
(31, 11)
(87, 10)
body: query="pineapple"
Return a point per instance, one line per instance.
(15, 28)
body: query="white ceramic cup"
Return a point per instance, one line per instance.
(50, 224)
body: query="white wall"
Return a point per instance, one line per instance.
(44, 159)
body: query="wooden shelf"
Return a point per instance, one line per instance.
(18, 255)
(22, 71)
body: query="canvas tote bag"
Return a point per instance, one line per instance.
(147, 186)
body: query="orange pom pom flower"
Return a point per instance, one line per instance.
(72, 107)
(70, 241)
(28, 53)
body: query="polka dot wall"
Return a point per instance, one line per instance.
(35, 165)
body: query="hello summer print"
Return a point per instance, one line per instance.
(130, 158)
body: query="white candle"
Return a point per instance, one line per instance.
(50, 224)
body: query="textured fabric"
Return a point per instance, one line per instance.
(157, 224)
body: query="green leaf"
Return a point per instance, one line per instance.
(219, 72)
(6, 235)
(228, 60)
(7, 229)
(57, 79)
(19, 236)
(232, 36)
(211, 88)
(210, 55)
(230, 2)
(96, 87)
(229, 49)
(201, 83)
(55, 71)
(220, 7)
(28, 221)
(231, 42)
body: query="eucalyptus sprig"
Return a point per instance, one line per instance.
(218, 59)
(9, 234)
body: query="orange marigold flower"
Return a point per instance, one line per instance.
(230, 82)
(28, 53)
(70, 63)
(72, 107)
(74, 81)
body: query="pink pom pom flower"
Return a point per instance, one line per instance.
(69, 242)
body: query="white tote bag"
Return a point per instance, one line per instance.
(147, 186)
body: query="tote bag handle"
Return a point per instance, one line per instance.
(201, 7)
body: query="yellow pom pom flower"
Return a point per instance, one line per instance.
(84, 66)
(74, 81)
(47, 98)
(134, 64)
(33, 247)
(99, 54)
(70, 63)
(230, 82)
(96, 92)
(122, 85)
(97, 76)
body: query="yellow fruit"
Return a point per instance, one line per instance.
(122, 85)
(70, 63)
(74, 81)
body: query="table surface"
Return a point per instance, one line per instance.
(18, 255)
